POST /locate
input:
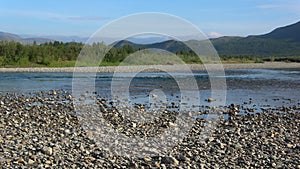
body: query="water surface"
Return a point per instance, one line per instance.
(264, 87)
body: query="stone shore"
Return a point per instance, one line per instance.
(42, 130)
(155, 68)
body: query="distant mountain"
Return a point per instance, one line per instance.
(255, 46)
(225, 39)
(9, 37)
(36, 40)
(16, 38)
(289, 33)
(60, 38)
(170, 45)
(284, 41)
(122, 43)
(148, 40)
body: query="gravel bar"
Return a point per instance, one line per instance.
(41, 130)
(155, 68)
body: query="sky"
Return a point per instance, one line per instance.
(84, 17)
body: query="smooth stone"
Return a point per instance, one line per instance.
(47, 150)
(210, 99)
(133, 125)
(20, 160)
(31, 162)
(171, 124)
(210, 139)
(67, 131)
(147, 159)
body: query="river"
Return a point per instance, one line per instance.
(261, 87)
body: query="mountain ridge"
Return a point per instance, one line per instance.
(285, 33)
(282, 41)
(5, 36)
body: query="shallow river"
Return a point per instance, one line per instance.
(260, 87)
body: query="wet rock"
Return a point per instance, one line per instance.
(210, 100)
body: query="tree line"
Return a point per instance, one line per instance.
(14, 54)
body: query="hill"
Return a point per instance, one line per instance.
(256, 46)
(283, 41)
(4, 36)
(288, 33)
(123, 43)
(9, 37)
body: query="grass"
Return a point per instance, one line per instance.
(62, 64)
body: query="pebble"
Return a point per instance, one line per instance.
(171, 124)
(49, 134)
(210, 139)
(20, 160)
(48, 150)
(210, 99)
(67, 131)
(163, 166)
(147, 159)
(30, 162)
(169, 160)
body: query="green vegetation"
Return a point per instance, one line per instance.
(255, 59)
(58, 54)
(255, 46)
(282, 44)
(14, 54)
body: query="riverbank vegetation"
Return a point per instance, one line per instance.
(59, 54)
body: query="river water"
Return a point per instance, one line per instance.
(261, 87)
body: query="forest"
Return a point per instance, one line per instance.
(59, 54)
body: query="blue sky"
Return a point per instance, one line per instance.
(84, 17)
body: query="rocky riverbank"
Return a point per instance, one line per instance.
(155, 68)
(41, 130)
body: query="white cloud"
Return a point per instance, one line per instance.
(49, 15)
(294, 6)
(86, 18)
(214, 34)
